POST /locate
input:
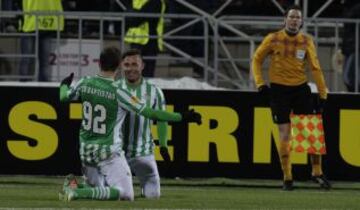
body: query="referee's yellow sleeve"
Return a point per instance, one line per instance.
(316, 71)
(258, 59)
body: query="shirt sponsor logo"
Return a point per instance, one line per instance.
(134, 100)
(300, 54)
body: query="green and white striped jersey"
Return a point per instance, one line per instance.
(138, 140)
(104, 109)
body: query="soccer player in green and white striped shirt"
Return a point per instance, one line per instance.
(138, 141)
(104, 109)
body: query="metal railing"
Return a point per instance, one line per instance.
(220, 63)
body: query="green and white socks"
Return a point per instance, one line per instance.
(97, 193)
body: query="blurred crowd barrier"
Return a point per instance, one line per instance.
(226, 44)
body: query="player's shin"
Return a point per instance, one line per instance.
(316, 165)
(284, 155)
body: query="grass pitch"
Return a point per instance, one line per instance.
(215, 193)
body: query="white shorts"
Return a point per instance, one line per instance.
(114, 172)
(146, 171)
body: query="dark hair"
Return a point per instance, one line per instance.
(295, 7)
(131, 52)
(110, 59)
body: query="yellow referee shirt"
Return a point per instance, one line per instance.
(288, 56)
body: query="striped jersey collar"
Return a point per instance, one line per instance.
(133, 86)
(105, 78)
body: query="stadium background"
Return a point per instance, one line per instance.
(236, 140)
(39, 134)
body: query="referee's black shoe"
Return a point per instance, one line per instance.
(322, 181)
(288, 185)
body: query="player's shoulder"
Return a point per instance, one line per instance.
(98, 80)
(117, 83)
(274, 35)
(305, 37)
(87, 79)
(83, 80)
(150, 83)
(156, 88)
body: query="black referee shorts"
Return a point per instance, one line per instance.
(286, 99)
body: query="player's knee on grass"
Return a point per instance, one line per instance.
(151, 193)
(151, 188)
(127, 195)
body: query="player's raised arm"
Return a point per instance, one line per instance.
(187, 116)
(65, 87)
(132, 103)
(68, 93)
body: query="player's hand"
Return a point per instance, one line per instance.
(165, 154)
(67, 80)
(191, 116)
(264, 90)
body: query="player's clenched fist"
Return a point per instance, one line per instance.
(191, 116)
(67, 80)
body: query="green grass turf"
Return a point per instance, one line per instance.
(215, 193)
